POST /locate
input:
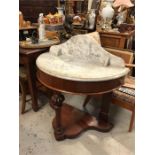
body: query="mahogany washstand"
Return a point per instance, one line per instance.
(70, 122)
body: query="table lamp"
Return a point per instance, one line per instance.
(107, 14)
(122, 3)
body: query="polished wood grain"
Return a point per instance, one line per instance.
(74, 122)
(116, 40)
(70, 122)
(78, 87)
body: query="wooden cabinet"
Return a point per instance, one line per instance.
(32, 8)
(116, 40)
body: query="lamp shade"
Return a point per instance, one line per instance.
(126, 3)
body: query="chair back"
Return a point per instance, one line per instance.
(126, 55)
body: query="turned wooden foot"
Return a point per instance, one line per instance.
(23, 91)
(70, 122)
(132, 121)
(56, 104)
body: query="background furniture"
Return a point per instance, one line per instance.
(26, 32)
(116, 40)
(23, 87)
(125, 98)
(125, 95)
(125, 54)
(27, 57)
(32, 8)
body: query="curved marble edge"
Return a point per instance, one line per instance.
(89, 79)
(124, 71)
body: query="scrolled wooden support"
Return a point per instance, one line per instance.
(104, 111)
(56, 103)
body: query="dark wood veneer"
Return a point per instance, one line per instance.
(70, 122)
(78, 87)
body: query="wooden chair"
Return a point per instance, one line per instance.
(125, 95)
(23, 87)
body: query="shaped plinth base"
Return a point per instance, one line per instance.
(74, 122)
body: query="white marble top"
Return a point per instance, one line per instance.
(81, 59)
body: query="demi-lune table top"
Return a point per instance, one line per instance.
(77, 70)
(81, 58)
(81, 65)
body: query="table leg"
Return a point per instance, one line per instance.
(56, 104)
(70, 122)
(32, 85)
(104, 111)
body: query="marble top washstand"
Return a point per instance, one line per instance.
(81, 59)
(77, 70)
(79, 66)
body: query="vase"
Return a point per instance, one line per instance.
(91, 19)
(41, 28)
(61, 12)
(107, 14)
(121, 17)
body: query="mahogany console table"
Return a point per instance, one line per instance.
(70, 122)
(27, 57)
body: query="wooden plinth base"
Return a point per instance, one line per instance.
(74, 122)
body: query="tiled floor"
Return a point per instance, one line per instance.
(36, 133)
